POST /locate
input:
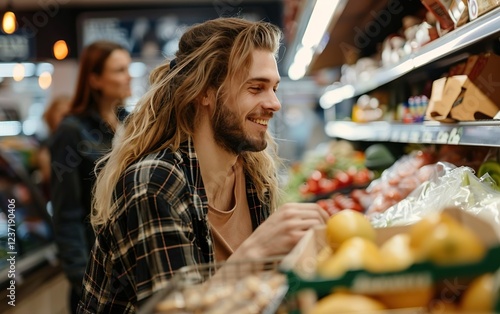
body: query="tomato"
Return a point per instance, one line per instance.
(312, 186)
(362, 177)
(328, 185)
(344, 178)
(328, 205)
(345, 202)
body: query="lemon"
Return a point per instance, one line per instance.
(346, 224)
(342, 302)
(396, 253)
(353, 254)
(478, 297)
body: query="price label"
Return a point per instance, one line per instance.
(405, 135)
(427, 137)
(455, 135)
(394, 136)
(442, 137)
(414, 136)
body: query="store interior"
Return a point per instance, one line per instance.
(389, 108)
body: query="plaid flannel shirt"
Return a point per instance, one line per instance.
(159, 225)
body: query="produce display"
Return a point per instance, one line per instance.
(437, 237)
(339, 177)
(321, 173)
(492, 168)
(446, 261)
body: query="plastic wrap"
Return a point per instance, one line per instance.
(450, 186)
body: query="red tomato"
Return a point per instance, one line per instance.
(362, 177)
(343, 178)
(328, 185)
(328, 205)
(345, 202)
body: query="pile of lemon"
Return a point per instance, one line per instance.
(352, 245)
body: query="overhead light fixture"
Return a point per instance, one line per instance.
(60, 49)
(9, 22)
(334, 96)
(320, 18)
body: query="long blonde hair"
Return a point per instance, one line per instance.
(214, 54)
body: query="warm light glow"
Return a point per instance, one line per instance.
(9, 23)
(18, 72)
(45, 80)
(60, 50)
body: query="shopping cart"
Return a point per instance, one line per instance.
(254, 286)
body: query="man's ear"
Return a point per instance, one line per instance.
(208, 98)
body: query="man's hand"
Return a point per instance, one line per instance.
(282, 230)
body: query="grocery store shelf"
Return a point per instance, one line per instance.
(429, 132)
(458, 39)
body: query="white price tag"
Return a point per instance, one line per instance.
(442, 137)
(404, 136)
(455, 136)
(414, 137)
(427, 137)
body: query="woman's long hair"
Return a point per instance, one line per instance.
(212, 55)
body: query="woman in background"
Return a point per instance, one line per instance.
(54, 113)
(83, 136)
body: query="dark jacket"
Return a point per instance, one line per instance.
(75, 147)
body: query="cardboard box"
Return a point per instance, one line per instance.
(475, 95)
(301, 263)
(470, 103)
(438, 109)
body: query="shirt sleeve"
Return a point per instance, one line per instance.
(66, 199)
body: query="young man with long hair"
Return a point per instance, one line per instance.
(192, 177)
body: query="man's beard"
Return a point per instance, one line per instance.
(230, 135)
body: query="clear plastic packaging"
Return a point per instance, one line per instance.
(456, 186)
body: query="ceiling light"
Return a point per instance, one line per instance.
(9, 23)
(309, 38)
(60, 50)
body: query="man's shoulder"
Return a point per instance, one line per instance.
(159, 169)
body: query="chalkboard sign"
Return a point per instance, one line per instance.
(148, 34)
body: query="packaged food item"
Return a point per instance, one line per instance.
(480, 7)
(449, 13)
